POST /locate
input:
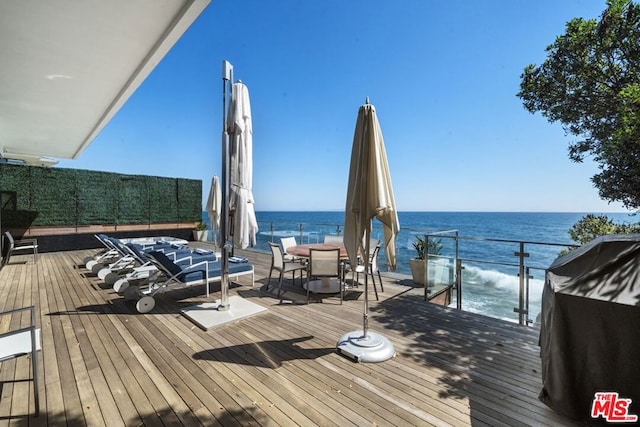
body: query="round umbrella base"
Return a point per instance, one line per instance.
(372, 348)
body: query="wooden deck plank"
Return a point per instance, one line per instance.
(96, 396)
(158, 348)
(133, 376)
(329, 344)
(346, 392)
(317, 406)
(261, 396)
(52, 405)
(105, 364)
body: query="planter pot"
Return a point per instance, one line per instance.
(417, 271)
(200, 235)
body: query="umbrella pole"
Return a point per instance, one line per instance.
(367, 248)
(227, 78)
(365, 346)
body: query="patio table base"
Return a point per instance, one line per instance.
(324, 286)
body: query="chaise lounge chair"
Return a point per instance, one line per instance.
(146, 271)
(179, 276)
(133, 256)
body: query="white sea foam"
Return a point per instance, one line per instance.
(495, 292)
(492, 278)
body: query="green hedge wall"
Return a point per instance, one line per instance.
(93, 186)
(53, 196)
(38, 196)
(189, 199)
(133, 200)
(163, 197)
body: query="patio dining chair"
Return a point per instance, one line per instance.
(371, 268)
(330, 238)
(23, 341)
(279, 264)
(287, 242)
(324, 265)
(28, 245)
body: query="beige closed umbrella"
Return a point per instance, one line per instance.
(369, 195)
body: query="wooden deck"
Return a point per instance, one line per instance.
(104, 364)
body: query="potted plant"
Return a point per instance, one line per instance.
(200, 233)
(418, 264)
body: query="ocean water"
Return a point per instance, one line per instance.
(490, 275)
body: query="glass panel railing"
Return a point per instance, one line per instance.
(502, 278)
(489, 281)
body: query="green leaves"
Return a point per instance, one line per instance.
(591, 226)
(590, 83)
(433, 247)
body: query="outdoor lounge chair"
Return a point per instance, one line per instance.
(113, 253)
(133, 256)
(178, 276)
(13, 246)
(108, 255)
(23, 341)
(146, 271)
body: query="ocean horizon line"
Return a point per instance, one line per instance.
(465, 211)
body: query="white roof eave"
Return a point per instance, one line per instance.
(69, 66)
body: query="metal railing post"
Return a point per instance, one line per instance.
(426, 260)
(458, 283)
(528, 277)
(521, 310)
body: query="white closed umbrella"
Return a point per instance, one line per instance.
(241, 202)
(369, 195)
(214, 205)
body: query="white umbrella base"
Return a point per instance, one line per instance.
(373, 348)
(208, 315)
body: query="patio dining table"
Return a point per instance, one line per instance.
(325, 285)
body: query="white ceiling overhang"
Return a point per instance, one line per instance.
(68, 66)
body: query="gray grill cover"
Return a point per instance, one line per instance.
(590, 325)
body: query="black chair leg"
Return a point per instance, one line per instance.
(269, 280)
(280, 286)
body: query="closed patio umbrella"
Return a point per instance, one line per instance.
(241, 202)
(369, 195)
(236, 198)
(214, 204)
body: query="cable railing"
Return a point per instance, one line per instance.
(496, 277)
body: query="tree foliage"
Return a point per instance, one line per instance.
(590, 83)
(591, 226)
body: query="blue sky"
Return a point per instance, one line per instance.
(443, 76)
